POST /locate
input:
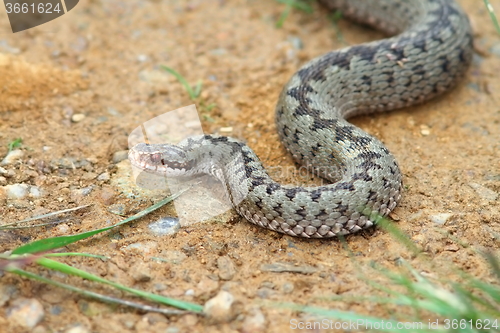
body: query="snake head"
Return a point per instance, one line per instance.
(161, 159)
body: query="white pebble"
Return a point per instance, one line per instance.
(219, 308)
(441, 218)
(484, 192)
(142, 58)
(13, 156)
(425, 130)
(77, 117)
(26, 312)
(16, 191)
(77, 329)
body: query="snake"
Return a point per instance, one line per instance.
(427, 51)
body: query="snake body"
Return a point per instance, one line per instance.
(431, 49)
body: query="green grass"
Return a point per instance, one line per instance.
(493, 17)
(335, 17)
(16, 143)
(37, 252)
(465, 305)
(303, 5)
(194, 92)
(469, 306)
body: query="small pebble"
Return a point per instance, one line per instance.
(206, 286)
(218, 51)
(153, 318)
(266, 293)
(4, 45)
(89, 176)
(254, 322)
(154, 76)
(93, 308)
(220, 308)
(172, 329)
(6, 292)
(440, 218)
(165, 226)
(77, 329)
(280, 267)
(35, 192)
(287, 287)
(142, 58)
(118, 209)
(107, 196)
(296, 42)
(268, 284)
(173, 256)
(188, 250)
(70, 163)
(141, 272)
(226, 267)
(451, 248)
(484, 192)
(142, 247)
(63, 229)
(104, 176)
(40, 329)
(425, 130)
(77, 194)
(13, 156)
(495, 49)
(77, 117)
(120, 156)
(190, 320)
(56, 310)
(226, 130)
(114, 112)
(26, 312)
(16, 191)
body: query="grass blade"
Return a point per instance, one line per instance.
(39, 217)
(192, 94)
(493, 17)
(48, 244)
(92, 294)
(63, 268)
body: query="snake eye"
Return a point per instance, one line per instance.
(155, 158)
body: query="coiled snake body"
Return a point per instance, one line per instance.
(431, 50)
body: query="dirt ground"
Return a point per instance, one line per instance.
(74, 88)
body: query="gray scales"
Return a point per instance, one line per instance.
(430, 51)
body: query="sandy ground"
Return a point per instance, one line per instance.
(73, 90)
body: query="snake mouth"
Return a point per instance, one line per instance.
(152, 161)
(141, 161)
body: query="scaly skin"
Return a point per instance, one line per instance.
(431, 51)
